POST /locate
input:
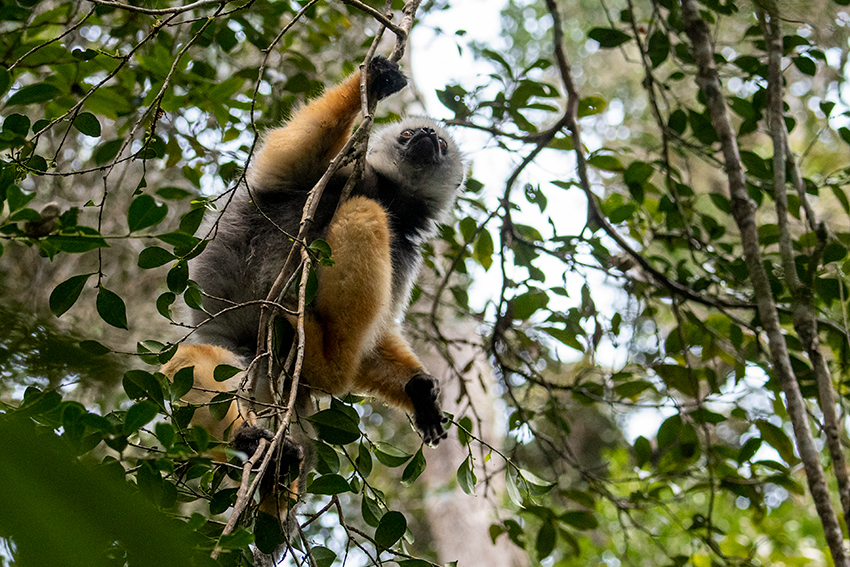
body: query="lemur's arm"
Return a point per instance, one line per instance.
(297, 155)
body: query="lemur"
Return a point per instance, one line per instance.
(413, 174)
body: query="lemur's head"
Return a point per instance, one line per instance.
(420, 156)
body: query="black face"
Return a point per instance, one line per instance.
(423, 145)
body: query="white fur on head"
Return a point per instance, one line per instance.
(438, 183)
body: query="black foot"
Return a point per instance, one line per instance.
(423, 390)
(384, 78)
(290, 454)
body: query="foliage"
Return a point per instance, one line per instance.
(647, 421)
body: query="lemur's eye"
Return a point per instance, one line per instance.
(444, 146)
(407, 134)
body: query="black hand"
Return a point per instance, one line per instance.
(385, 78)
(423, 390)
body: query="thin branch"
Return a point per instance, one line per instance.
(55, 39)
(408, 15)
(161, 11)
(802, 294)
(242, 495)
(384, 20)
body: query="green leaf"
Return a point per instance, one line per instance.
(371, 511)
(638, 172)
(591, 105)
(525, 305)
(335, 427)
(33, 94)
(776, 438)
(363, 462)
(87, 123)
(139, 415)
(643, 451)
(390, 456)
(327, 459)
(267, 533)
(224, 372)
(720, 201)
(5, 80)
(483, 250)
(702, 128)
(633, 389)
(17, 123)
(323, 556)
(163, 304)
(466, 477)
(107, 151)
(329, 484)
(678, 121)
(414, 468)
(154, 257)
(833, 252)
(606, 163)
(182, 382)
(658, 48)
(238, 539)
(805, 65)
(66, 293)
(580, 520)
(220, 405)
(512, 481)
(178, 277)
(608, 37)
(191, 221)
(463, 430)
(173, 193)
(17, 199)
(140, 384)
(841, 196)
(111, 308)
(546, 538)
(144, 212)
(95, 348)
(390, 529)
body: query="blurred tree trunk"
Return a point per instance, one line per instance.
(460, 522)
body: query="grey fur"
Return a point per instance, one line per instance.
(248, 251)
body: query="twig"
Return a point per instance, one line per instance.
(408, 14)
(385, 21)
(287, 417)
(161, 11)
(242, 495)
(55, 39)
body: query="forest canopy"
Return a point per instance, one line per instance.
(638, 309)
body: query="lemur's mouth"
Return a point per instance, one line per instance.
(424, 147)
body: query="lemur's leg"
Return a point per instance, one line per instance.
(353, 302)
(393, 372)
(204, 359)
(243, 437)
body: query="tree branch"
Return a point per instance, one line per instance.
(743, 210)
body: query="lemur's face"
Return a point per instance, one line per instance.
(423, 146)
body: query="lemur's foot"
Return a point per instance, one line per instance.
(424, 390)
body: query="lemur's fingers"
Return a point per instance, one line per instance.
(384, 77)
(424, 390)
